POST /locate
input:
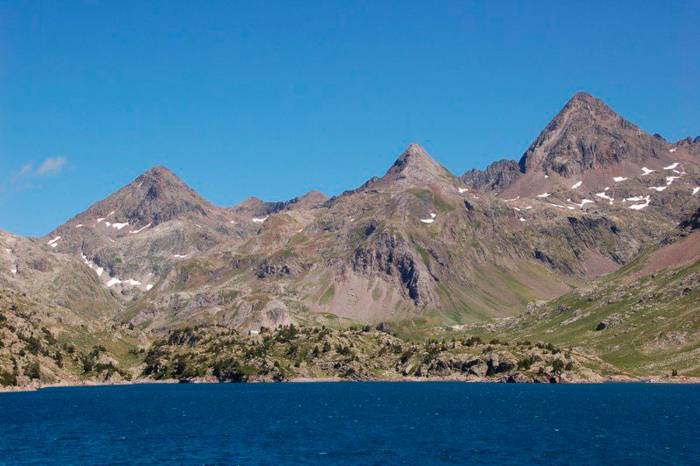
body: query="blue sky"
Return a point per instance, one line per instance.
(273, 99)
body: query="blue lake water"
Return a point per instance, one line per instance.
(353, 423)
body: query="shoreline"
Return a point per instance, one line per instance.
(679, 380)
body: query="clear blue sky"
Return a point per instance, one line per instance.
(273, 99)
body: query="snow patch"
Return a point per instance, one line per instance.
(260, 219)
(522, 219)
(582, 203)
(672, 166)
(429, 220)
(577, 185)
(133, 232)
(98, 270)
(149, 287)
(696, 190)
(54, 242)
(119, 226)
(647, 199)
(79, 225)
(672, 149)
(671, 179)
(543, 195)
(462, 190)
(604, 195)
(179, 256)
(100, 219)
(115, 281)
(646, 171)
(618, 179)
(659, 188)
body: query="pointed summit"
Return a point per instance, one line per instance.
(416, 163)
(156, 196)
(588, 134)
(583, 104)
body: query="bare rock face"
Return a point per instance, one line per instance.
(585, 135)
(498, 175)
(691, 145)
(692, 223)
(390, 255)
(256, 207)
(274, 314)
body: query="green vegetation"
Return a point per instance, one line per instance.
(648, 325)
(435, 199)
(360, 353)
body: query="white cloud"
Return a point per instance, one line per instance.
(25, 170)
(51, 166)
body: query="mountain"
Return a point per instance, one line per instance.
(591, 201)
(411, 244)
(135, 235)
(415, 242)
(153, 198)
(588, 142)
(587, 134)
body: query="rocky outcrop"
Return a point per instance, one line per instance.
(497, 176)
(690, 144)
(389, 255)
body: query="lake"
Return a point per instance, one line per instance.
(353, 423)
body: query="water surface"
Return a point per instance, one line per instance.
(353, 423)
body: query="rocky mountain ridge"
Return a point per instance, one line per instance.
(416, 241)
(418, 245)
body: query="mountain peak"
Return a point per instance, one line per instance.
(159, 171)
(156, 196)
(311, 199)
(585, 104)
(416, 163)
(588, 134)
(583, 96)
